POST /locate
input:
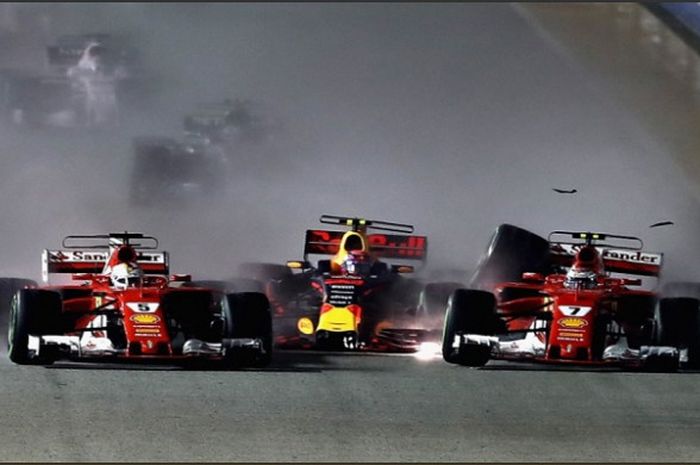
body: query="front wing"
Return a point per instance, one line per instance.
(530, 349)
(57, 348)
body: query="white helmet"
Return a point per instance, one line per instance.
(125, 275)
(581, 279)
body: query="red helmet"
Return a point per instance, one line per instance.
(588, 265)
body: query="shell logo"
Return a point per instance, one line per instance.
(572, 322)
(145, 319)
(305, 326)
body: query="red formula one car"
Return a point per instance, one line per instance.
(570, 309)
(124, 306)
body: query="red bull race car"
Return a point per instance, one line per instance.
(122, 305)
(354, 299)
(580, 304)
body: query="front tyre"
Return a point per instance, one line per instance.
(247, 315)
(33, 312)
(469, 312)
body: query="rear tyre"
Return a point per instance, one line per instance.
(511, 252)
(34, 312)
(678, 325)
(635, 313)
(247, 315)
(8, 289)
(469, 312)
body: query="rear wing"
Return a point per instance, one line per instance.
(615, 260)
(620, 254)
(93, 261)
(394, 246)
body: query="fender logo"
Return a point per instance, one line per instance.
(572, 322)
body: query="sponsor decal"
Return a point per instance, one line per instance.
(148, 332)
(145, 318)
(632, 256)
(572, 339)
(572, 322)
(305, 326)
(77, 256)
(570, 336)
(571, 332)
(143, 307)
(85, 256)
(573, 310)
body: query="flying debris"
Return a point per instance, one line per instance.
(661, 223)
(564, 191)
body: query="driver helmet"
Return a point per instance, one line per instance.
(585, 270)
(125, 275)
(357, 263)
(581, 278)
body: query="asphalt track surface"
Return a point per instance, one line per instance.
(351, 407)
(333, 407)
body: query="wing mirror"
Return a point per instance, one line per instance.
(298, 264)
(533, 277)
(181, 278)
(632, 282)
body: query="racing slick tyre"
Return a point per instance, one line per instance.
(247, 315)
(678, 325)
(34, 312)
(8, 289)
(469, 312)
(512, 251)
(635, 313)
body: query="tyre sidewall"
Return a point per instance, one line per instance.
(247, 315)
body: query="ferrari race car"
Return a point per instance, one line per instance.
(575, 304)
(122, 305)
(91, 77)
(355, 300)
